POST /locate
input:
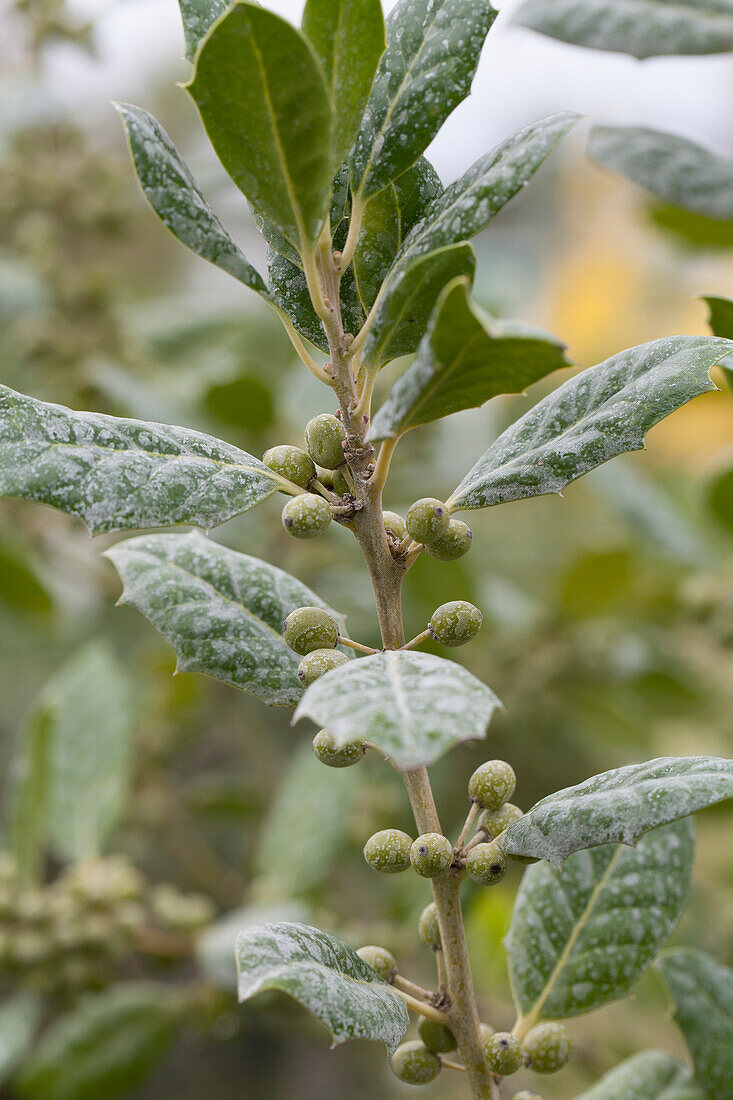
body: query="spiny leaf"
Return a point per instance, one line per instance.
(197, 16)
(433, 48)
(220, 610)
(403, 702)
(276, 146)
(324, 975)
(651, 1075)
(465, 358)
(619, 806)
(583, 936)
(642, 28)
(602, 412)
(177, 199)
(117, 474)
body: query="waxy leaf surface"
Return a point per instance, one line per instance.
(651, 1075)
(433, 48)
(405, 703)
(324, 975)
(702, 993)
(642, 28)
(276, 145)
(583, 936)
(600, 413)
(177, 199)
(619, 806)
(220, 610)
(464, 359)
(117, 474)
(197, 16)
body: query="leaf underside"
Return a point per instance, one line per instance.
(650, 1075)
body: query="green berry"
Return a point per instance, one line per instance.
(453, 544)
(548, 1047)
(318, 663)
(339, 483)
(492, 784)
(388, 851)
(455, 623)
(324, 435)
(437, 1037)
(394, 522)
(428, 928)
(309, 628)
(427, 519)
(503, 1053)
(486, 864)
(306, 516)
(431, 854)
(414, 1064)
(494, 822)
(526, 1094)
(291, 463)
(380, 959)
(336, 756)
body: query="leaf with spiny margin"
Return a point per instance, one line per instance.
(702, 992)
(468, 205)
(403, 702)
(465, 358)
(619, 806)
(276, 145)
(325, 976)
(642, 28)
(600, 413)
(650, 1075)
(679, 171)
(220, 610)
(20, 1016)
(433, 49)
(349, 39)
(583, 936)
(408, 299)
(197, 16)
(177, 199)
(118, 474)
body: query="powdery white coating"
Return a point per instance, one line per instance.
(220, 610)
(433, 48)
(412, 706)
(117, 474)
(197, 16)
(324, 975)
(702, 992)
(619, 806)
(651, 1075)
(583, 936)
(20, 1016)
(642, 28)
(177, 199)
(600, 413)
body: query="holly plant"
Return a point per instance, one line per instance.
(369, 260)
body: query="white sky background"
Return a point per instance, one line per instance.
(522, 76)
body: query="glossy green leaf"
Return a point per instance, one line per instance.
(433, 48)
(117, 474)
(220, 610)
(197, 16)
(408, 300)
(403, 702)
(642, 28)
(600, 413)
(468, 205)
(702, 992)
(20, 1016)
(30, 794)
(464, 359)
(721, 315)
(651, 1075)
(276, 145)
(349, 38)
(619, 806)
(103, 1046)
(324, 975)
(690, 229)
(672, 168)
(177, 199)
(583, 936)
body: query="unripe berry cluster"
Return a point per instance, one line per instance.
(320, 466)
(546, 1048)
(313, 633)
(429, 522)
(391, 851)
